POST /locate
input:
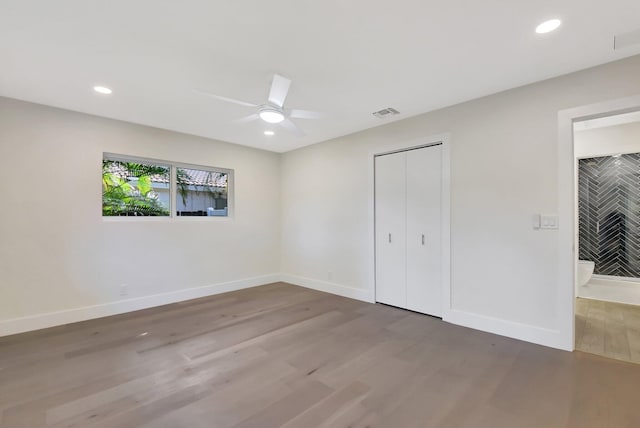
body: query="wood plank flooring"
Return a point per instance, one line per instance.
(284, 356)
(608, 329)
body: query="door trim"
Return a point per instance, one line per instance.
(424, 146)
(400, 146)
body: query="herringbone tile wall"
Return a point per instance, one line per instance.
(609, 213)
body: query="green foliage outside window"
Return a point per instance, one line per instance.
(127, 189)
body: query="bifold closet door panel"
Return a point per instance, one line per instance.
(390, 213)
(424, 278)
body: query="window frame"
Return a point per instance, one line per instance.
(173, 189)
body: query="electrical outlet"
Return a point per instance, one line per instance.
(124, 290)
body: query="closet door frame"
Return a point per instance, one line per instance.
(398, 146)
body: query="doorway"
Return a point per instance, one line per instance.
(607, 306)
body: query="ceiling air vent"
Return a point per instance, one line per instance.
(626, 39)
(386, 112)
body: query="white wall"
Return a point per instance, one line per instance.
(504, 168)
(609, 140)
(57, 253)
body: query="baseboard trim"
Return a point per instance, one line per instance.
(52, 319)
(514, 330)
(329, 287)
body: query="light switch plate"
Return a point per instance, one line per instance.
(548, 222)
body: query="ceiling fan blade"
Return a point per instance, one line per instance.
(292, 128)
(246, 119)
(305, 114)
(229, 100)
(279, 90)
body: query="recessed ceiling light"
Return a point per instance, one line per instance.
(102, 90)
(548, 26)
(271, 115)
(269, 133)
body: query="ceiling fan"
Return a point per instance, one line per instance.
(273, 111)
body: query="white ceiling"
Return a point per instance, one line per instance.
(346, 58)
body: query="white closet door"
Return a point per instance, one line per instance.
(390, 209)
(423, 195)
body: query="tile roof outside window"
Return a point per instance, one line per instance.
(194, 176)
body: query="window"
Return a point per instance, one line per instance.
(142, 187)
(201, 192)
(135, 188)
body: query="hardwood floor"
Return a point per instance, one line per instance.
(608, 329)
(284, 356)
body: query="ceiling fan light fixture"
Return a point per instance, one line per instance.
(272, 111)
(271, 115)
